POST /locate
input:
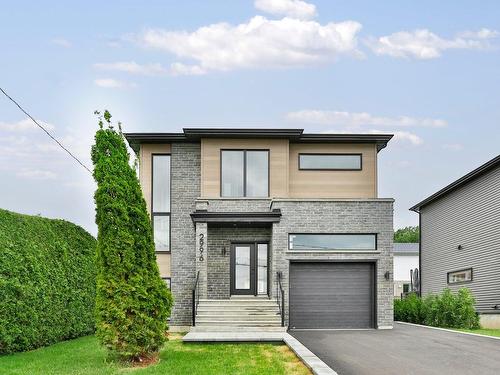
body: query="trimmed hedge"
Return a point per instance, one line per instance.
(445, 310)
(47, 281)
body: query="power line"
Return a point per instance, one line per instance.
(46, 131)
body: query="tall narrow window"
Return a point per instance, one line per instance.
(244, 173)
(161, 201)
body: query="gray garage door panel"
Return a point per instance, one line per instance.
(331, 295)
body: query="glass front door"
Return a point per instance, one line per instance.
(249, 268)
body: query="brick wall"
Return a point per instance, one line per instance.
(185, 188)
(362, 216)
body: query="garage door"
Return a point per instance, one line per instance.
(331, 295)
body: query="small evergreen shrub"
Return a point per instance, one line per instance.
(411, 309)
(445, 310)
(132, 303)
(47, 281)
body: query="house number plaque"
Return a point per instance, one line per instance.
(201, 249)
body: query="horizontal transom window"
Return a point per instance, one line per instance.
(319, 241)
(332, 162)
(460, 276)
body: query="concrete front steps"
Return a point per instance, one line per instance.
(238, 314)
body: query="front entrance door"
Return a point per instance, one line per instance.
(249, 268)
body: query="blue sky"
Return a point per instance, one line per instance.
(427, 71)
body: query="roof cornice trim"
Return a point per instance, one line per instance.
(293, 135)
(471, 176)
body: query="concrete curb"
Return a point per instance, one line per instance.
(449, 330)
(316, 365)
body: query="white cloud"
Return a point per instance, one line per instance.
(111, 83)
(423, 44)
(61, 42)
(406, 137)
(259, 43)
(453, 146)
(132, 67)
(399, 136)
(290, 8)
(356, 119)
(24, 125)
(178, 69)
(36, 174)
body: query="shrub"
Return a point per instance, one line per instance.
(47, 281)
(411, 309)
(132, 303)
(445, 310)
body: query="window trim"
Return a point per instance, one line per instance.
(336, 250)
(460, 282)
(329, 154)
(245, 150)
(162, 213)
(169, 282)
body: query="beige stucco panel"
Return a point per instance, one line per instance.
(145, 167)
(210, 163)
(333, 184)
(163, 261)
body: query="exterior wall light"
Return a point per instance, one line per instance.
(387, 275)
(459, 247)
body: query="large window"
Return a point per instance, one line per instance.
(351, 242)
(332, 162)
(161, 201)
(244, 173)
(461, 276)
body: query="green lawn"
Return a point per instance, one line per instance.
(85, 356)
(482, 331)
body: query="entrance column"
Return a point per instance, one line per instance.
(201, 258)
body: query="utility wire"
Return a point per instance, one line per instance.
(46, 131)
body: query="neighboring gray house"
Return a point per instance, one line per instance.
(405, 259)
(460, 239)
(269, 228)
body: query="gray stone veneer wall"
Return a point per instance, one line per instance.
(238, 205)
(337, 216)
(218, 264)
(185, 188)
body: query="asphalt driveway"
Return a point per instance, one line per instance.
(403, 350)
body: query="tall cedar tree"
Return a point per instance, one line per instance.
(132, 302)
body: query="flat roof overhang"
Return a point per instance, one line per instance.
(237, 218)
(293, 135)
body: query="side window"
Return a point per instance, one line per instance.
(160, 202)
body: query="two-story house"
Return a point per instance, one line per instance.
(269, 227)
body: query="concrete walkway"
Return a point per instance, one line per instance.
(316, 365)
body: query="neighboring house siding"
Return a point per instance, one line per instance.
(220, 239)
(337, 216)
(468, 216)
(185, 188)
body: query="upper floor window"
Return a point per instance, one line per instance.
(244, 173)
(331, 162)
(339, 241)
(160, 202)
(460, 276)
